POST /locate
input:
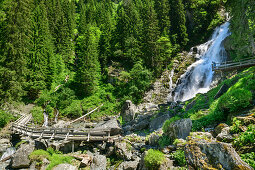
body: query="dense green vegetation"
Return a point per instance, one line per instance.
(153, 159)
(69, 56)
(5, 118)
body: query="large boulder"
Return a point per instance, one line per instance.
(65, 167)
(123, 150)
(20, 158)
(128, 111)
(99, 162)
(179, 129)
(158, 122)
(128, 165)
(112, 125)
(202, 151)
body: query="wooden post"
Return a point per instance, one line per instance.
(88, 136)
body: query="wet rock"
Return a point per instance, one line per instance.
(247, 120)
(65, 167)
(179, 129)
(112, 125)
(128, 111)
(203, 152)
(158, 122)
(128, 165)
(224, 88)
(20, 158)
(127, 128)
(99, 163)
(123, 150)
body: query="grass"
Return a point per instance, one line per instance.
(238, 97)
(5, 118)
(55, 157)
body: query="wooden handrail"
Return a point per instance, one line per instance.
(232, 64)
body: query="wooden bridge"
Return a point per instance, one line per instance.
(230, 65)
(66, 134)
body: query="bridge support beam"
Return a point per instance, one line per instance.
(72, 146)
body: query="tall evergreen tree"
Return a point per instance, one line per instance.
(88, 67)
(150, 34)
(40, 75)
(178, 20)
(16, 48)
(162, 8)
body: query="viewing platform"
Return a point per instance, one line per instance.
(230, 65)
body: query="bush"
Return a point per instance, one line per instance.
(37, 114)
(164, 141)
(168, 122)
(5, 118)
(39, 155)
(246, 138)
(153, 159)
(179, 158)
(235, 100)
(74, 110)
(57, 159)
(249, 158)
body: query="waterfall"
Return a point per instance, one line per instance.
(10, 151)
(199, 76)
(45, 115)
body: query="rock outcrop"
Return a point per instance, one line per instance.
(20, 158)
(128, 111)
(123, 150)
(65, 167)
(128, 165)
(204, 152)
(99, 162)
(113, 125)
(179, 129)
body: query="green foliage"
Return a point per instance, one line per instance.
(164, 141)
(246, 138)
(179, 157)
(57, 159)
(235, 128)
(5, 118)
(168, 123)
(37, 113)
(39, 155)
(235, 100)
(249, 158)
(153, 159)
(20, 143)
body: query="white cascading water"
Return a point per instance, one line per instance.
(10, 151)
(46, 117)
(199, 75)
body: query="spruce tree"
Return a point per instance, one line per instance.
(88, 67)
(178, 20)
(16, 48)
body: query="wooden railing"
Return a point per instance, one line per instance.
(67, 134)
(228, 65)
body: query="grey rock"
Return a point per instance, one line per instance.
(141, 125)
(99, 162)
(65, 167)
(179, 129)
(20, 158)
(166, 165)
(128, 111)
(158, 122)
(153, 139)
(127, 128)
(128, 165)
(123, 150)
(225, 135)
(112, 125)
(205, 153)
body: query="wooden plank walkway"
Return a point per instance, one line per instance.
(229, 65)
(66, 134)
